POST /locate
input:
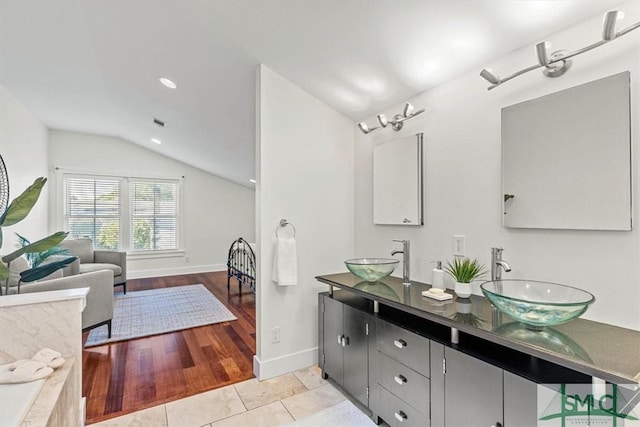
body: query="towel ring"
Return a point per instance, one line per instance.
(283, 224)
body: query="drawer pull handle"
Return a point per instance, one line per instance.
(400, 379)
(339, 339)
(344, 339)
(496, 425)
(400, 343)
(400, 416)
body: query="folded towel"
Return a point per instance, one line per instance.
(285, 262)
(27, 371)
(50, 358)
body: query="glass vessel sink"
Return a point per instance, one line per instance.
(371, 269)
(537, 304)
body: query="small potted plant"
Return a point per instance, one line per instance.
(464, 271)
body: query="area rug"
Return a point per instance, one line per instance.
(344, 414)
(156, 311)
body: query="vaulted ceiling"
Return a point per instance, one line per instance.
(93, 66)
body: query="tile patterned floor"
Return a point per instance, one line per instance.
(274, 402)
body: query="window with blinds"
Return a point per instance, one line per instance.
(92, 209)
(154, 215)
(132, 214)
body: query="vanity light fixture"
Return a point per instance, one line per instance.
(609, 24)
(397, 122)
(168, 82)
(365, 129)
(557, 63)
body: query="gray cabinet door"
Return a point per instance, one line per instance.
(473, 391)
(520, 401)
(356, 354)
(332, 339)
(437, 384)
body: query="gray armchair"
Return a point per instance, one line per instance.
(99, 309)
(95, 260)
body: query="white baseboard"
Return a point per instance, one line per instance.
(173, 271)
(83, 411)
(265, 369)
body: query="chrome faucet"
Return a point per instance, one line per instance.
(497, 264)
(406, 259)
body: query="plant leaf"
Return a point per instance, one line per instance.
(44, 270)
(23, 241)
(4, 271)
(21, 205)
(40, 257)
(37, 258)
(465, 270)
(39, 246)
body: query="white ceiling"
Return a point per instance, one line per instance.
(92, 66)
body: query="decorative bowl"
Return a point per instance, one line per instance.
(371, 269)
(537, 303)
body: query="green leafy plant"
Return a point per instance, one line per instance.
(465, 270)
(36, 258)
(18, 210)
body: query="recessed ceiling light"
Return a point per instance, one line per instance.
(252, 180)
(168, 83)
(156, 140)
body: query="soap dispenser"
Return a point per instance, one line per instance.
(438, 276)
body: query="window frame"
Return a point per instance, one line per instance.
(131, 182)
(94, 178)
(126, 201)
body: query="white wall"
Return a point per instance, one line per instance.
(463, 185)
(23, 145)
(216, 211)
(305, 174)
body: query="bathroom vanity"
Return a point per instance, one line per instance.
(392, 349)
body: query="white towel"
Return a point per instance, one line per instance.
(285, 262)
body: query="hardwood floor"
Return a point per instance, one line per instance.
(127, 376)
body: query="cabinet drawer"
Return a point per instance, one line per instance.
(398, 413)
(404, 382)
(406, 347)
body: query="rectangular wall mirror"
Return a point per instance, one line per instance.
(566, 158)
(397, 182)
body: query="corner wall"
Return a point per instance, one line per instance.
(461, 128)
(23, 145)
(215, 211)
(305, 174)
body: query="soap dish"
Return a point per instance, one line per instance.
(440, 297)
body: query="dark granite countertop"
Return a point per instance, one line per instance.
(597, 349)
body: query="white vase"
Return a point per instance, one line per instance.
(463, 290)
